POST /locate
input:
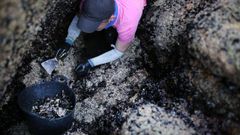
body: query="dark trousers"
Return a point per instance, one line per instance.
(99, 42)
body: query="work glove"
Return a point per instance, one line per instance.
(63, 51)
(82, 69)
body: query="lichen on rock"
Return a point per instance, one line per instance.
(151, 119)
(215, 39)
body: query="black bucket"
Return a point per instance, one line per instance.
(43, 126)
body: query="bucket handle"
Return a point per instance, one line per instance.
(60, 79)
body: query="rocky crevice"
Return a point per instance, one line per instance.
(158, 87)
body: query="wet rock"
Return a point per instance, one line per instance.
(192, 45)
(28, 32)
(107, 99)
(116, 88)
(35, 74)
(157, 94)
(205, 92)
(151, 119)
(216, 39)
(113, 118)
(31, 32)
(19, 129)
(162, 29)
(16, 37)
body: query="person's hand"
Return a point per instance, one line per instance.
(82, 69)
(63, 51)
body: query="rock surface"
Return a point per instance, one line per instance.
(163, 28)
(28, 37)
(19, 24)
(112, 94)
(216, 39)
(110, 84)
(153, 120)
(193, 46)
(123, 97)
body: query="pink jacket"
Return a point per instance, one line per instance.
(129, 14)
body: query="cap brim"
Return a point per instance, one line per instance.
(87, 25)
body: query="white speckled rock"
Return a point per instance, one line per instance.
(117, 88)
(149, 119)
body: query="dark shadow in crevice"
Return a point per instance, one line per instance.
(99, 42)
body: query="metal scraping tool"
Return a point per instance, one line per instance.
(51, 64)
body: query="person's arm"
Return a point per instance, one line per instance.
(73, 33)
(121, 46)
(126, 35)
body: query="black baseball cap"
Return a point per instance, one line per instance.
(93, 12)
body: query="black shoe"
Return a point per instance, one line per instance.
(82, 69)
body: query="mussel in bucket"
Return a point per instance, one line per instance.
(53, 107)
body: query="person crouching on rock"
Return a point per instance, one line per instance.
(97, 15)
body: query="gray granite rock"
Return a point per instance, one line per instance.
(216, 39)
(194, 45)
(149, 119)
